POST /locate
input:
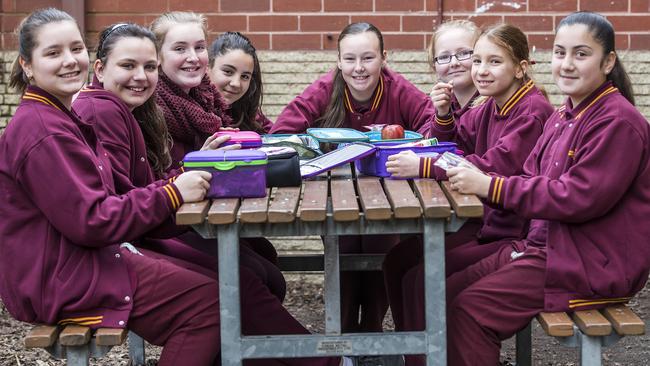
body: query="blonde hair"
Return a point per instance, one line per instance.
(463, 24)
(163, 24)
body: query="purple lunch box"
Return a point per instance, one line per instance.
(375, 164)
(235, 173)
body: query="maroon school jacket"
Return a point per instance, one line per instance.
(122, 139)
(62, 222)
(587, 181)
(396, 101)
(496, 141)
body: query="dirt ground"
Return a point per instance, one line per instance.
(305, 302)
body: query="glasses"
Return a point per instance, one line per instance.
(460, 56)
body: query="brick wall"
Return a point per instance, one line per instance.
(314, 24)
(286, 74)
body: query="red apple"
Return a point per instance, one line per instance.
(392, 132)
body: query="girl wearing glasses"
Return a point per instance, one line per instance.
(360, 91)
(586, 178)
(497, 135)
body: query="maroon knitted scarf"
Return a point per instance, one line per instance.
(192, 117)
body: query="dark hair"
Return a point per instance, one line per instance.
(152, 121)
(243, 111)
(514, 41)
(603, 32)
(26, 33)
(335, 112)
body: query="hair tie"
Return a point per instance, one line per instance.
(532, 62)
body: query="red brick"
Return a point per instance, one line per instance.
(483, 21)
(603, 6)
(296, 6)
(629, 23)
(417, 23)
(10, 22)
(622, 41)
(296, 41)
(333, 23)
(31, 5)
(532, 23)
(224, 23)
(454, 6)
(347, 5)
(199, 6)
(92, 38)
(404, 41)
(640, 6)
(553, 5)
(330, 41)
(489, 6)
(244, 5)
(273, 23)
(124, 6)
(639, 42)
(9, 41)
(541, 41)
(399, 5)
(385, 23)
(261, 41)
(8, 6)
(97, 22)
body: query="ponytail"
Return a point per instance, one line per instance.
(334, 115)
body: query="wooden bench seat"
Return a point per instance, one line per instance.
(78, 343)
(588, 330)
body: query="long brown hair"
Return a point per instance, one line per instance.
(244, 111)
(603, 32)
(335, 112)
(27, 32)
(150, 117)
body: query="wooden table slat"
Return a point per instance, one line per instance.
(373, 199)
(344, 199)
(192, 213)
(432, 199)
(110, 336)
(253, 210)
(402, 199)
(42, 336)
(223, 211)
(284, 205)
(314, 201)
(465, 205)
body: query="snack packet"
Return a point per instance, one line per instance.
(449, 160)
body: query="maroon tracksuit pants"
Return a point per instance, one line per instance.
(176, 306)
(487, 302)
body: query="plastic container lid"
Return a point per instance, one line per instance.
(375, 136)
(224, 159)
(337, 135)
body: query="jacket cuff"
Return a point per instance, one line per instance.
(426, 166)
(173, 195)
(495, 193)
(445, 120)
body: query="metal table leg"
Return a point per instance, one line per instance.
(434, 292)
(229, 301)
(332, 285)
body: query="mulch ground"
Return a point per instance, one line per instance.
(305, 301)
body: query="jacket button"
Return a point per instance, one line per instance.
(121, 322)
(142, 159)
(127, 298)
(117, 255)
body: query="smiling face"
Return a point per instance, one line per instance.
(453, 42)
(232, 73)
(184, 56)
(131, 70)
(494, 72)
(578, 65)
(360, 62)
(59, 62)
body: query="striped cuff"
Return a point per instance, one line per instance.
(445, 120)
(495, 194)
(426, 166)
(175, 198)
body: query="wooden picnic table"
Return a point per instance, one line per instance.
(330, 205)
